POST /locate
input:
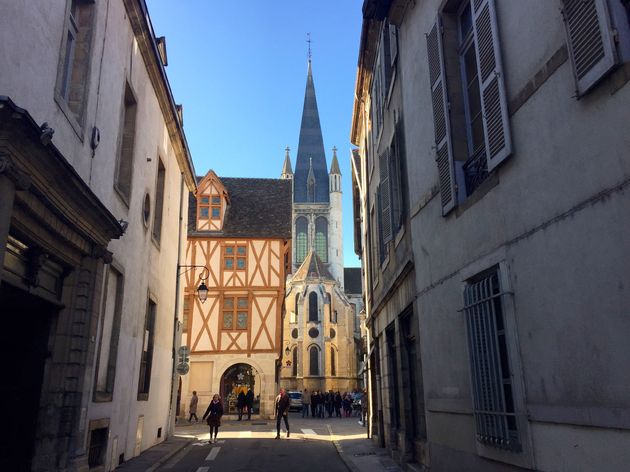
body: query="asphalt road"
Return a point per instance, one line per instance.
(252, 447)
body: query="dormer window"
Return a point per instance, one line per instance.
(210, 207)
(204, 207)
(216, 207)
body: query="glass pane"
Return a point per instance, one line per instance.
(229, 263)
(216, 212)
(228, 303)
(241, 320)
(241, 250)
(465, 22)
(205, 199)
(228, 319)
(216, 200)
(240, 263)
(242, 302)
(203, 212)
(229, 250)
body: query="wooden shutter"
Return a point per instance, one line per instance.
(590, 41)
(386, 200)
(441, 119)
(493, 100)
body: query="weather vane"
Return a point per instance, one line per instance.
(308, 35)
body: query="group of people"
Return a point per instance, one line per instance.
(245, 401)
(321, 404)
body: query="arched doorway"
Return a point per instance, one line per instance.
(237, 378)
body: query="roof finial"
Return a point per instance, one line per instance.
(308, 35)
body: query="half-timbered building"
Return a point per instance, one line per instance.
(239, 246)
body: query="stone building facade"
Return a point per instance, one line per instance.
(94, 168)
(491, 177)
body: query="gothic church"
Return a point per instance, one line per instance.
(320, 322)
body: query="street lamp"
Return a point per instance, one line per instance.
(202, 289)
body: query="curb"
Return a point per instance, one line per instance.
(349, 464)
(166, 457)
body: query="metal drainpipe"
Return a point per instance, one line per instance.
(176, 327)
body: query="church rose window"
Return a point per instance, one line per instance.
(313, 332)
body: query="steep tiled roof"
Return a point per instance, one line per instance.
(312, 267)
(258, 208)
(352, 280)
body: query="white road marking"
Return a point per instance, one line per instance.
(308, 431)
(245, 434)
(213, 454)
(203, 469)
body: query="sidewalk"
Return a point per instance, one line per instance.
(348, 436)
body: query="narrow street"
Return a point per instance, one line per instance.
(314, 445)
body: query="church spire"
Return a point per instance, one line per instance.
(310, 149)
(334, 166)
(287, 172)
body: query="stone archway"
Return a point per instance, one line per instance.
(237, 378)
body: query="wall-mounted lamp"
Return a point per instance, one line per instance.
(202, 289)
(287, 351)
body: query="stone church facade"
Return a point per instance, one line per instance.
(319, 322)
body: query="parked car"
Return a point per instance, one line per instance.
(296, 400)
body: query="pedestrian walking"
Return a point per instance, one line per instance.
(240, 404)
(306, 402)
(192, 407)
(249, 402)
(214, 412)
(282, 411)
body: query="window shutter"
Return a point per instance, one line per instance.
(386, 204)
(393, 43)
(590, 41)
(493, 100)
(441, 120)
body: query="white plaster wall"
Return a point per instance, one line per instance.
(32, 35)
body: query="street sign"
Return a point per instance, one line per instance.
(182, 368)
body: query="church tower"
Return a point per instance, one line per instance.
(319, 321)
(316, 192)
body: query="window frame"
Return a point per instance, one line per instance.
(235, 257)
(301, 248)
(79, 27)
(126, 144)
(160, 193)
(146, 354)
(235, 311)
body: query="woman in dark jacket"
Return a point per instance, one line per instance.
(240, 404)
(214, 414)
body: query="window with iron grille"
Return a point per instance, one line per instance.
(493, 398)
(98, 446)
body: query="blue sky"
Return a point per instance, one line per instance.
(239, 69)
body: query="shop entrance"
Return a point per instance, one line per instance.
(24, 346)
(238, 378)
